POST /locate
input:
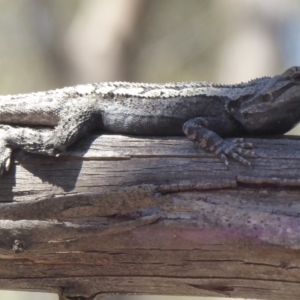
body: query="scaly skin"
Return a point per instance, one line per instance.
(205, 113)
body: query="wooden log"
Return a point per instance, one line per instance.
(130, 215)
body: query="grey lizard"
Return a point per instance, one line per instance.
(204, 112)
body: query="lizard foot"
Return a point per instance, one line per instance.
(196, 130)
(5, 158)
(236, 149)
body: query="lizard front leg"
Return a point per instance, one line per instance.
(204, 132)
(75, 122)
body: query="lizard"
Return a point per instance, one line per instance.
(205, 113)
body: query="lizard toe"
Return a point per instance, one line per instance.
(232, 149)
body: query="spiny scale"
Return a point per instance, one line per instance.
(142, 90)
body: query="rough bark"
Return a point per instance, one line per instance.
(152, 216)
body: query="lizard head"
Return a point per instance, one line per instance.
(274, 107)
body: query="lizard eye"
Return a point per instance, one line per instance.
(267, 97)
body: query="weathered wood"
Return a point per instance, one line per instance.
(152, 216)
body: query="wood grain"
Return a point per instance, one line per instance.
(152, 216)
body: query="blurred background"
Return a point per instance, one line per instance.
(47, 44)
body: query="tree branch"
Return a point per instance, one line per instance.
(152, 216)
